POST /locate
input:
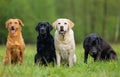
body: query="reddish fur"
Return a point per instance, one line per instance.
(15, 45)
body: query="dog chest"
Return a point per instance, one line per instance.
(64, 47)
(15, 48)
(64, 51)
(64, 54)
(15, 51)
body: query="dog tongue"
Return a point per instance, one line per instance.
(12, 31)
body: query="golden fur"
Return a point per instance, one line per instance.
(15, 45)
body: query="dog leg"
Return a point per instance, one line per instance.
(22, 57)
(71, 62)
(74, 59)
(99, 56)
(85, 56)
(35, 59)
(95, 58)
(112, 55)
(7, 59)
(58, 58)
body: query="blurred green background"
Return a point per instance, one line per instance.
(89, 16)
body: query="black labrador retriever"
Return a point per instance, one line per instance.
(45, 45)
(97, 48)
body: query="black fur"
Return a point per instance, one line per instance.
(45, 45)
(97, 48)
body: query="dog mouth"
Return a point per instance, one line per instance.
(42, 31)
(93, 52)
(62, 31)
(13, 30)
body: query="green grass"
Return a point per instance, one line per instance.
(92, 69)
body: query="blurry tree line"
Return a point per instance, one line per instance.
(89, 16)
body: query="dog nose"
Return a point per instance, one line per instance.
(61, 27)
(12, 27)
(42, 29)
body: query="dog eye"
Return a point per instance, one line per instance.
(58, 23)
(15, 22)
(10, 23)
(65, 23)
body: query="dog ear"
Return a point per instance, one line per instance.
(36, 28)
(7, 23)
(50, 26)
(88, 41)
(71, 23)
(99, 40)
(55, 24)
(20, 22)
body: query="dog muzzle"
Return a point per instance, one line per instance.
(13, 30)
(62, 32)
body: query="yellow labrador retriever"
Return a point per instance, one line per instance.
(64, 41)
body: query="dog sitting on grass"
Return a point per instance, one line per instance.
(45, 45)
(98, 48)
(64, 42)
(15, 44)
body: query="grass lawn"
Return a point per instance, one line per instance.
(92, 69)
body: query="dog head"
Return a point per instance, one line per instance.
(43, 28)
(63, 25)
(94, 43)
(14, 25)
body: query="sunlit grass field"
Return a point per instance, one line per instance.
(92, 69)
